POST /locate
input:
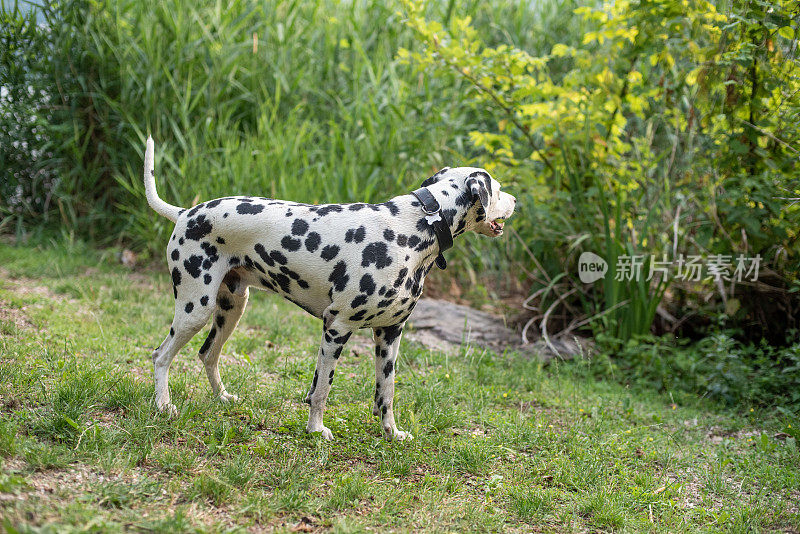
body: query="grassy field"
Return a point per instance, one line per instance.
(502, 443)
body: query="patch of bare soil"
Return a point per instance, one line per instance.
(444, 325)
(20, 317)
(15, 316)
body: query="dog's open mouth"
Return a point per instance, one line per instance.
(497, 225)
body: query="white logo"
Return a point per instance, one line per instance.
(591, 267)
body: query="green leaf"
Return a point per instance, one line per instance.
(787, 32)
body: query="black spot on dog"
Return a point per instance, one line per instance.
(312, 241)
(290, 273)
(278, 256)
(400, 277)
(194, 210)
(339, 276)
(384, 303)
(220, 321)
(248, 208)
(393, 209)
(189, 307)
(213, 203)
(198, 228)
(356, 207)
(211, 254)
(299, 227)
(289, 243)
(207, 279)
(180, 241)
(283, 281)
(435, 178)
(413, 241)
(424, 226)
(210, 339)
(388, 368)
(192, 265)
(176, 255)
(358, 301)
(367, 284)
(391, 333)
(225, 303)
(465, 199)
(204, 300)
(388, 235)
(355, 234)
(376, 253)
(360, 234)
(329, 252)
(262, 252)
(328, 208)
(341, 340)
(402, 239)
(448, 216)
(424, 244)
(176, 277)
(220, 241)
(358, 316)
(266, 283)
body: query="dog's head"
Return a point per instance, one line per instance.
(485, 208)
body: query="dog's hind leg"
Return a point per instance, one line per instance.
(194, 303)
(189, 318)
(387, 344)
(231, 302)
(333, 339)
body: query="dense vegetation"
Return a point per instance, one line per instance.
(659, 128)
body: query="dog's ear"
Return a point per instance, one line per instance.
(436, 177)
(480, 185)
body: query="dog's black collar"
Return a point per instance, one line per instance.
(433, 212)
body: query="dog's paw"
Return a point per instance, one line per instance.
(392, 434)
(401, 435)
(228, 398)
(168, 409)
(326, 432)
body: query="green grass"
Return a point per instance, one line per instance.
(502, 443)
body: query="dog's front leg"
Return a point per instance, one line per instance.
(333, 339)
(387, 344)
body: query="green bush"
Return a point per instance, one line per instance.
(668, 129)
(718, 366)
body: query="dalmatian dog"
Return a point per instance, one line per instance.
(351, 265)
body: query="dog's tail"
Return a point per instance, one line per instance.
(159, 206)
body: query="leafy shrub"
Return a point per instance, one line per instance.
(718, 366)
(667, 130)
